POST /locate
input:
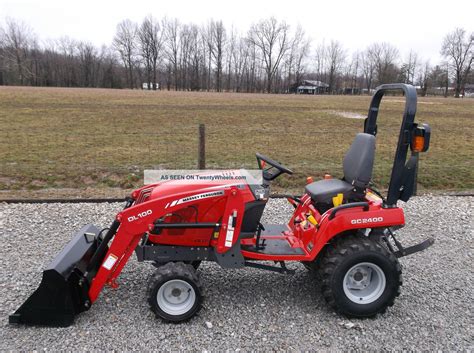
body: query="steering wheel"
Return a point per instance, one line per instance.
(268, 175)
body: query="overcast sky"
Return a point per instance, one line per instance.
(408, 24)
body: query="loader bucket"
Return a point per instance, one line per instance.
(63, 291)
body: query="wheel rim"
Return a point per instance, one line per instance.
(176, 297)
(364, 283)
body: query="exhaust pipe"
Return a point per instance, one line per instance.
(63, 291)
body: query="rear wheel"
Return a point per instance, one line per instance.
(309, 265)
(312, 266)
(359, 276)
(175, 292)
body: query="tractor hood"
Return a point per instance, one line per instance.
(195, 182)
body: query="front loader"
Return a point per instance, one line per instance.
(342, 229)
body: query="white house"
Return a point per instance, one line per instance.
(312, 87)
(145, 85)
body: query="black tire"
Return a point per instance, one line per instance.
(310, 266)
(350, 255)
(315, 265)
(195, 264)
(186, 281)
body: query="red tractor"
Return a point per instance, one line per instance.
(343, 229)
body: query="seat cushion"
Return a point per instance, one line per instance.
(324, 190)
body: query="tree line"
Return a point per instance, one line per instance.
(271, 56)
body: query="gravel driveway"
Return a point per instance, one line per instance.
(248, 308)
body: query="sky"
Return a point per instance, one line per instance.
(407, 24)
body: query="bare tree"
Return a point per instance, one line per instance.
(230, 51)
(151, 43)
(2, 56)
(301, 54)
(218, 39)
(384, 57)
(196, 58)
(335, 57)
(67, 49)
(320, 62)
(206, 33)
(109, 76)
(185, 50)
(368, 68)
(424, 78)
(172, 28)
(87, 56)
(354, 72)
(252, 68)
(295, 60)
(409, 68)
(125, 44)
(458, 49)
(17, 38)
(240, 58)
(438, 76)
(37, 58)
(271, 38)
(145, 48)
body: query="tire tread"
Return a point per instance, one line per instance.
(168, 271)
(339, 250)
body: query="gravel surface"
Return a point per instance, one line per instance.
(247, 309)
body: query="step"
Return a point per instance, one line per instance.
(274, 247)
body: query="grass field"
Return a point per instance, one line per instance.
(76, 138)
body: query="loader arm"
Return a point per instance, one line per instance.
(137, 220)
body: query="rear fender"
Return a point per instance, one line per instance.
(352, 219)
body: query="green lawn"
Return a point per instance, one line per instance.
(76, 138)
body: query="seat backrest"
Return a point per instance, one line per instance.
(359, 160)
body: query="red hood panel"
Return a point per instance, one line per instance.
(189, 187)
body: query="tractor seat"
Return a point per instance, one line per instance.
(358, 164)
(323, 191)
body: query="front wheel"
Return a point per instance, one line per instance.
(174, 292)
(360, 277)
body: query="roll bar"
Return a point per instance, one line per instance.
(403, 179)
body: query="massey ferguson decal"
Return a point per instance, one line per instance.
(195, 197)
(367, 220)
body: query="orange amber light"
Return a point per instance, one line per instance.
(418, 143)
